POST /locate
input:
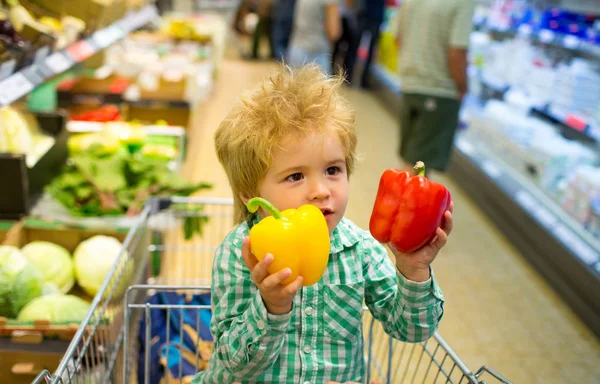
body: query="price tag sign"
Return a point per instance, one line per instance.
(81, 50)
(546, 36)
(545, 217)
(491, 170)
(525, 30)
(7, 68)
(465, 147)
(107, 36)
(14, 87)
(571, 42)
(526, 201)
(41, 54)
(58, 63)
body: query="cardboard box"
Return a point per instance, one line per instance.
(92, 90)
(27, 184)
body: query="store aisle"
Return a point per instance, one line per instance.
(499, 312)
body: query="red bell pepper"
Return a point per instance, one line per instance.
(408, 209)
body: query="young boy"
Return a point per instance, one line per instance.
(292, 141)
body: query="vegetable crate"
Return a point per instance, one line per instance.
(159, 330)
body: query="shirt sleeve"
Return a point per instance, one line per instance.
(409, 311)
(247, 338)
(462, 25)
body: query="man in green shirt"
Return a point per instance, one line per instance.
(432, 36)
(293, 142)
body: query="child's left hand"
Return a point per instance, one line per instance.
(415, 266)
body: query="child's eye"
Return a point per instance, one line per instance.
(332, 171)
(295, 177)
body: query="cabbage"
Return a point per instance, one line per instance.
(20, 281)
(57, 308)
(94, 259)
(53, 261)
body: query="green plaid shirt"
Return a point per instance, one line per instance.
(321, 339)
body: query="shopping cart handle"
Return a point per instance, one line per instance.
(493, 373)
(42, 377)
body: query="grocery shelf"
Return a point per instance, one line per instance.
(553, 242)
(573, 127)
(546, 36)
(387, 86)
(24, 81)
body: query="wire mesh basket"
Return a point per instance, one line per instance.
(169, 254)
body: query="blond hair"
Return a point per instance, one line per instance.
(287, 102)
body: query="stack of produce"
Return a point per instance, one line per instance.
(113, 173)
(20, 134)
(37, 282)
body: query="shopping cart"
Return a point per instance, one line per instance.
(117, 343)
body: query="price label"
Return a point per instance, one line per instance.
(545, 217)
(546, 36)
(571, 42)
(7, 68)
(525, 30)
(58, 63)
(107, 36)
(526, 201)
(465, 147)
(14, 87)
(491, 170)
(81, 50)
(138, 19)
(41, 54)
(585, 253)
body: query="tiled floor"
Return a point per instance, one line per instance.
(498, 310)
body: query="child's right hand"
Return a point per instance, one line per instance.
(278, 298)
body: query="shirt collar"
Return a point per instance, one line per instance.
(343, 235)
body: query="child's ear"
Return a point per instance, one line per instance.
(244, 198)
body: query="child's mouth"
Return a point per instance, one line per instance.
(327, 213)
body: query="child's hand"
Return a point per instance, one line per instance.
(415, 266)
(277, 298)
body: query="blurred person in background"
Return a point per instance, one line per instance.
(283, 20)
(263, 28)
(344, 48)
(370, 18)
(433, 37)
(316, 27)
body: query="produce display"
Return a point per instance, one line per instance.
(297, 238)
(107, 175)
(408, 209)
(37, 282)
(93, 260)
(20, 133)
(102, 114)
(20, 281)
(53, 261)
(55, 308)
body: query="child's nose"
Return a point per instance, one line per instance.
(319, 191)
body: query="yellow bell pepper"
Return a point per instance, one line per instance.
(297, 238)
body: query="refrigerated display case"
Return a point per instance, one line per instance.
(528, 148)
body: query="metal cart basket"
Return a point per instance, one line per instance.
(114, 344)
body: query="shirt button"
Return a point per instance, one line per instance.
(307, 349)
(308, 311)
(261, 325)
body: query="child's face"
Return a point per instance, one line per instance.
(310, 170)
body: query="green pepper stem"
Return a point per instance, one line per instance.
(419, 168)
(256, 202)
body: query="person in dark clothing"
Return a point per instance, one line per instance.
(263, 28)
(343, 49)
(370, 18)
(283, 20)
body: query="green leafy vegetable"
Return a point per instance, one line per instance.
(20, 281)
(97, 183)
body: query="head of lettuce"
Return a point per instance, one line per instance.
(20, 281)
